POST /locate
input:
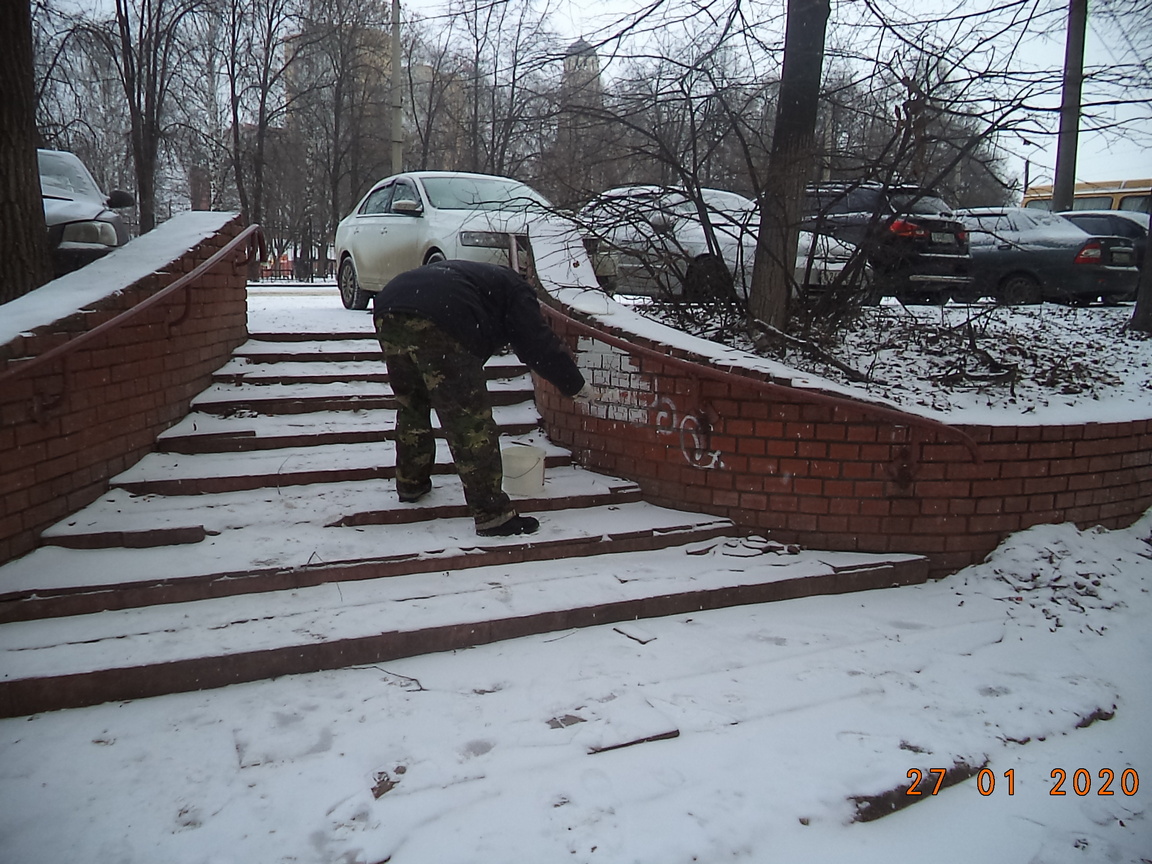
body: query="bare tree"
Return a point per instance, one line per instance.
(434, 87)
(146, 47)
(508, 55)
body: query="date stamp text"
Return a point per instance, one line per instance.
(1079, 782)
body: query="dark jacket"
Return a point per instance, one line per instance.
(483, 307)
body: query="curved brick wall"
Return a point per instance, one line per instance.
(836, 475)
(69, 426)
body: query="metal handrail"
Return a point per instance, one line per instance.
(893, 415)
(251, 237)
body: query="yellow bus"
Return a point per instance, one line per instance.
(1131, 195)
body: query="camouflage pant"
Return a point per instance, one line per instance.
(428, 369)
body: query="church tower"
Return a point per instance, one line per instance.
(579, 128)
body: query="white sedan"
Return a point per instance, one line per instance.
(415, 218)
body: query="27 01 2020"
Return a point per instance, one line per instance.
(1078, 782)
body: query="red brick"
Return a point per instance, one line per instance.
(996, 488)
(875, 507)
(844, 452)
(774, 447)
(811, 449)
(807, 486)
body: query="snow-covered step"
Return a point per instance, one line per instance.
(338, 395)
(264, 362)
(208, 433)
(121, 518)
(311, 350)
(132, 653)
(54, 581)
(195, 474)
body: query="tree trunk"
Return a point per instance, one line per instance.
(1142, 314)
(24, 263)
(790, 160)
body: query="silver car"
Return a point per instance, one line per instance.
(82, 222)
(418, 217)
(659, 240)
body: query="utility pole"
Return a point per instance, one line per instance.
(1063, 189)
(397, 100)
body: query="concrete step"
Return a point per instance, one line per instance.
(166, 474)
(275, 469)
(264, 361)
(243, 431)
(305, 395)
(86, 659)
(54, 581)
(122, 518)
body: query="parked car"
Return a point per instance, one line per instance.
(422, 216)
(916, 248)
(1118, 223)
(1027, 255)
(83, 224)
(660, 241)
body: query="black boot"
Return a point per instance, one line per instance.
(410, 496)
(515, 525)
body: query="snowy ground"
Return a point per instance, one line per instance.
(759, 728)
(781, 714)
(1043, 359)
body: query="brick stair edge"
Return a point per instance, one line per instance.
(39, 604)
(30, 696)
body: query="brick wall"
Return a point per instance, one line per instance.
(827, 473)
(69, 426)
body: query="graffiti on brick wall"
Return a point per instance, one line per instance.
(694, 431)
(626, 396)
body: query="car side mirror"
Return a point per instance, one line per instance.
(660, 223)
(412, 208)
(119, 199)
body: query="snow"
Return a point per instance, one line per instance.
(1073, 364)
(742, 734)
(759, 726)
(120, 268)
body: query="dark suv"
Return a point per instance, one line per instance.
(916, 248)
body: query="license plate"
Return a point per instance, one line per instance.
(1122, 257)
(942, 237)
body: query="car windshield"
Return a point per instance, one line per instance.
(63, 172)
(922, 204)
(481, 193)
(726, 202)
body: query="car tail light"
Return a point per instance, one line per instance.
(904, 228)
(1090, 253)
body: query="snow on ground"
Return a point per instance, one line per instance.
(960, 364)
(767, 722)
(751, 732)
(1029, 360)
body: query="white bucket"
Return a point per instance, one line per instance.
(523, 469)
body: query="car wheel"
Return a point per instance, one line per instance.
(350, 294)
(708, 279)
(434, 256)
(1019, 289)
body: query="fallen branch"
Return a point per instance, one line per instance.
(770, 333)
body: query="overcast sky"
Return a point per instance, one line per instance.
(1122, 153)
